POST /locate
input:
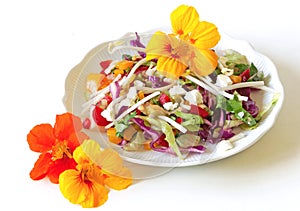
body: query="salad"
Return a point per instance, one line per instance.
(141, 109)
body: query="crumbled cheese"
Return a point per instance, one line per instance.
(177, 90)
(241, 114)
(108, 114)
(169, 106)
(223, 80)
(194, 97)
(150, 71)
(227, 71)
(168, 80)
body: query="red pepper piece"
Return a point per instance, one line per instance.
(245, 75)
(199, 111)
(98, 118)
(164, 98)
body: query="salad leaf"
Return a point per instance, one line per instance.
(221, 102)
(137, 142)
(154, 110)
(267, 107)
(124, 123)
(191, 122)
(235, 106)
(188, 140)
(231, 58)
(255, 74)
(239, 68)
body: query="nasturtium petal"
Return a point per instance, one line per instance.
(41, 138)
(158, 45)
(91, 149)
(109, 161)
(211, 56)
(80, 156)
(41, 167)
(122, 181)
(205, 35)
(72, 187)
(184, 19)
(170, 67)
(97, 195)
(87, 193)
(65, 125)
(75, 139)
(59, 166)
(200, 65)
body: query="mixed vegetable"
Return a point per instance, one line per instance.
(140, 109)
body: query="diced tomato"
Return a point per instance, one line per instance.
(245, 75)
(164, 98)
(105, 64)
(98, 118)
(199, 111)
(179, 120)
(161, 142)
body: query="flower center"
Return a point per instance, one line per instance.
(174, 52)
(180, 32)
(61, 150)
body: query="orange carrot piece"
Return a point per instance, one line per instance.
(236, 79)
(141, 94)
(125, 64)
(112, 137)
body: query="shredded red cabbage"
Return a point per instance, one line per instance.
(148, 131)
(137, 43)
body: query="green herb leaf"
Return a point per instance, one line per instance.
(235, 106)
(124, 123)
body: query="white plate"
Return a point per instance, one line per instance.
(75, 88)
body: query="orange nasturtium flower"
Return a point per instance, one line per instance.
(189, 46)
(56, 145)
(96, 171)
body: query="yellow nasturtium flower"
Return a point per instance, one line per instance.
(97, 170)
(170, 52)
(189, 46)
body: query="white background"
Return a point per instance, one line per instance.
(40, 41)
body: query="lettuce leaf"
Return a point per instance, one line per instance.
(191, 122)
(235, 106)
(124, 123)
